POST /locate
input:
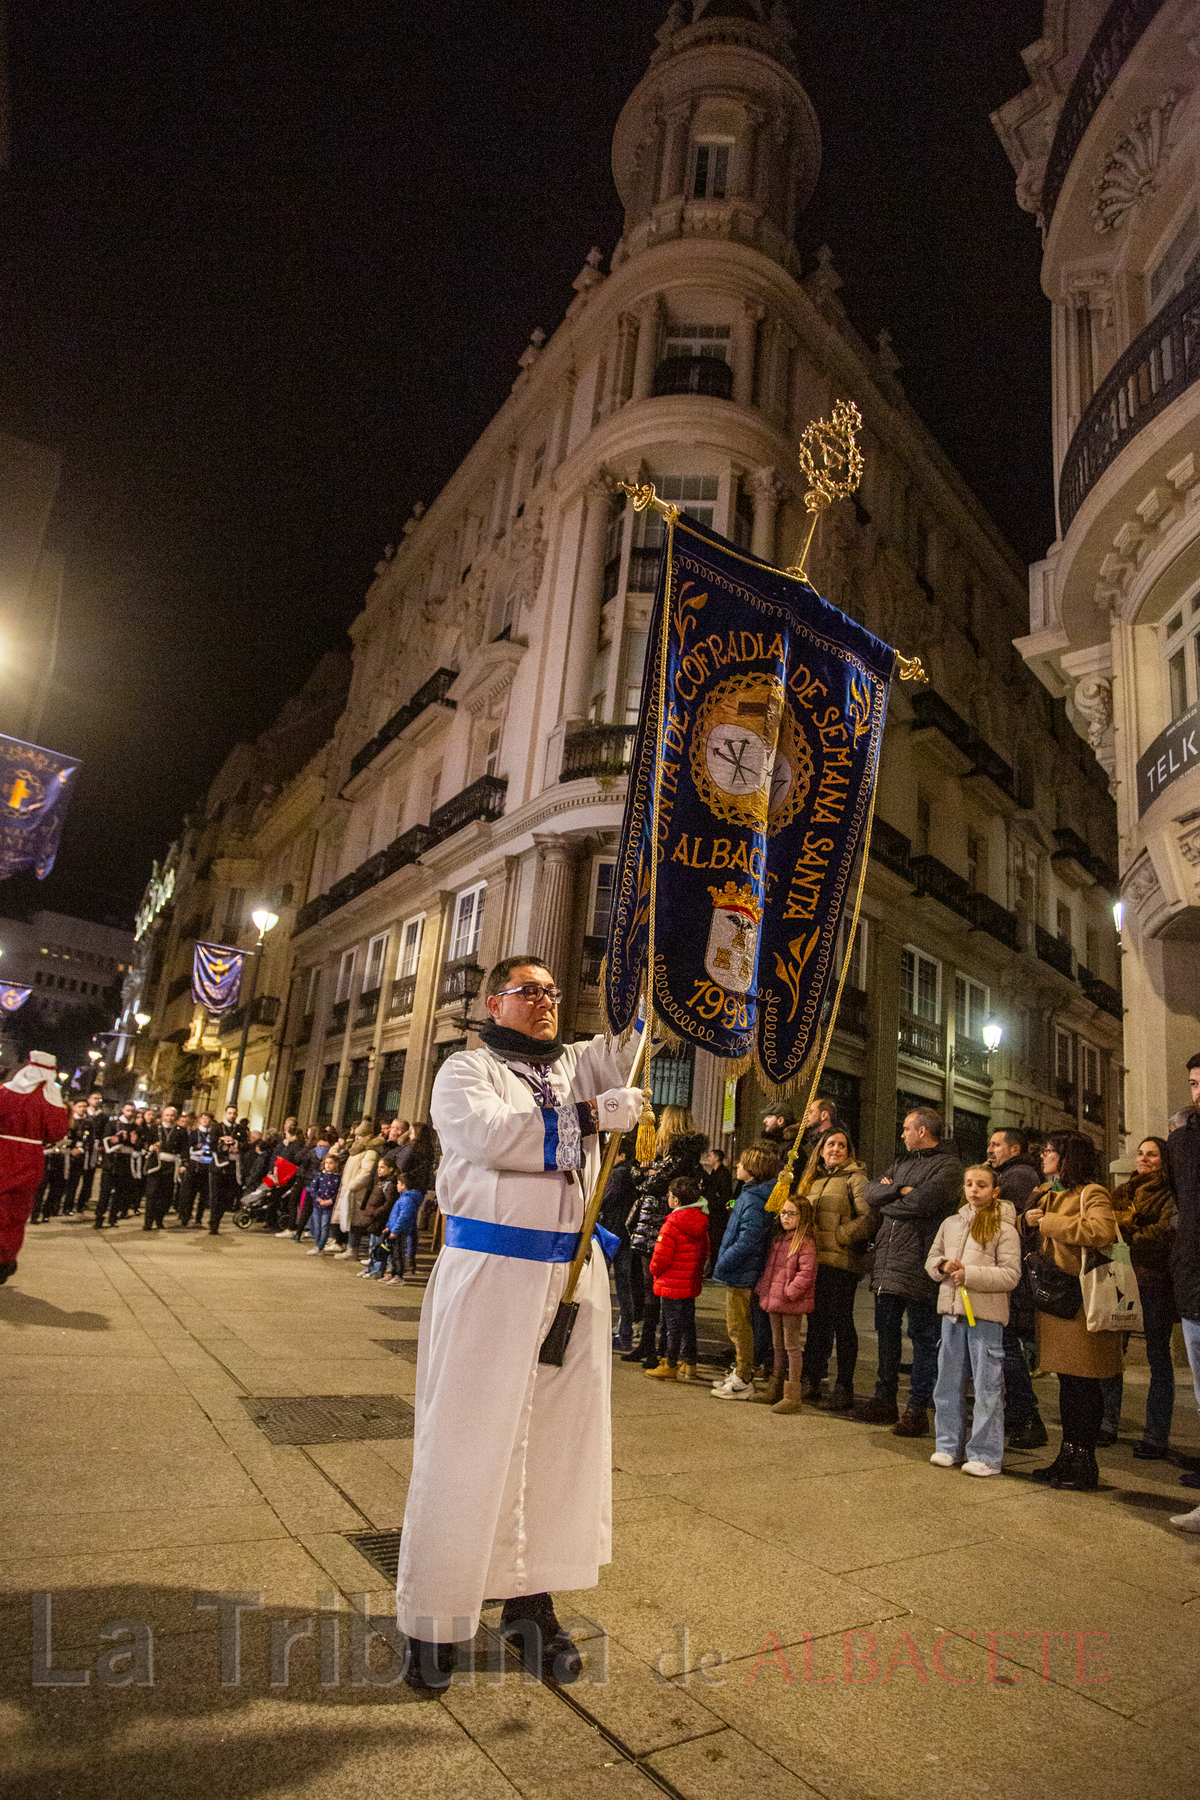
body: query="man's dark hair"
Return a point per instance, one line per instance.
(716, 1150)
(1013, 1136)
(1193, 1062)
(824, 1104)
(685, 1189)
(499, 977)
(928, 1117)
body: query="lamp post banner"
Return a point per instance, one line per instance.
(216, 977)
(773, 714)
(35, 785)
(13, 996)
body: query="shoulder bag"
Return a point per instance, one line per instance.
(1110, 1290)
(1054, 1290)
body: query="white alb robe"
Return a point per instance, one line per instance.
(511, 1489)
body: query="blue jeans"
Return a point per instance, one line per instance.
(1191, 1343)
(924, 1328)
(1020, 1401)
(621, 1265)
(978, 1348)
(319, 1223)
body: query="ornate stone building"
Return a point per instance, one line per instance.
(474, 784)
(1105, 141)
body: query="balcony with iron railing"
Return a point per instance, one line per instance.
(934, 881)
(484, 799)
(432, 693)
(988, 915)
(921, 1040)
(1114, 38)
(591, 961)
(593, 751)
(264, 1011)
(367, 1010)
(644, 566)
(460, 981)
(971, 1060)
(304, 1034)
(852, 1012)
(408, 848)
(403, 996)
(709, 375)
(1100, 993)
(1162, 362)
(1066, 1093)
(339, 1012)
(1093, 1108)
(1053, 951)
(891, 848)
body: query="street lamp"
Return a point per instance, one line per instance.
(265, 921)
(1118, 915)
(141, 1020)
(992, 1033)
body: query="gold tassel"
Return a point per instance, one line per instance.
(647, 1134)
(781, 1190)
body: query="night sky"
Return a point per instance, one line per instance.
(265, 272)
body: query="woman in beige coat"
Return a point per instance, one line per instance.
(1071, 1212)
(836, 1184)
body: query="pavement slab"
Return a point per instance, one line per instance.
(797, 1606)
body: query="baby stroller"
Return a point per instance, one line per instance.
(253, 1208)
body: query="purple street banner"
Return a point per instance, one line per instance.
(13, 996)
(217, 977)
(35, 786)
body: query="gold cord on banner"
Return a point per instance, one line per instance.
(832, 464)
(644, 497)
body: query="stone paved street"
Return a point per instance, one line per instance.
(832, 1616)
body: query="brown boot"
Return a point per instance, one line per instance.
(914, 1422)
(791, 1402)
(664, 1371)
(771, 1393)
(812, 1389)
(876, 1411)
(687, 1371)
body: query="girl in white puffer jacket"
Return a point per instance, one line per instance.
(976, 1261)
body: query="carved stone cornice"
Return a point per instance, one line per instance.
(1132, 170)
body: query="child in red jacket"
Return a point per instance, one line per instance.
(677, 1266)
(787, 1290)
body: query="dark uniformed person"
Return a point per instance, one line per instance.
(193, 1189)
(166, 1155)
(226, 1141)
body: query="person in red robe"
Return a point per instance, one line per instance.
(32, 1115)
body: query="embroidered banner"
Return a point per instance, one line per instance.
(216, 977)
(13, 996)
(774, 712)
(35, 785)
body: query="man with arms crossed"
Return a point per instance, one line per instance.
(512, 1462)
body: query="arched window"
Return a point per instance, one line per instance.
(710, 168)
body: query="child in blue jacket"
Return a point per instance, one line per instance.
(401, 1233)
(742, 1259)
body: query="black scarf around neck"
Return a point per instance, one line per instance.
(514, 1046)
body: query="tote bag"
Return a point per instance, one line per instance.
(1110, 1290)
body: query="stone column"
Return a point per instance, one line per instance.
(649, 324)
(877, 1143)
(553, 904)
(418, 1069)
(769, 490)
(745, 338)
(679, 121)
(584, 640)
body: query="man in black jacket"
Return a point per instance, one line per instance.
(167, 1152)
(1183, 1164)
(1017, 1174)
(922, 1187)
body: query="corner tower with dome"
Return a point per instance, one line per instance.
(474, 787)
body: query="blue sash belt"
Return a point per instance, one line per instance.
(519, 1241)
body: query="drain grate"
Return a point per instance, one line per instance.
(381, 1549)
(408, 1314)
(330, 1419)
(405, 1347)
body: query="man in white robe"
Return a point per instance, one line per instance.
(511, 1491)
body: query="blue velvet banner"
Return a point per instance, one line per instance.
(217, 977)
(35, 785)
(774, 713)
(13, 996)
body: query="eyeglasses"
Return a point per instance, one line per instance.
(533, 990)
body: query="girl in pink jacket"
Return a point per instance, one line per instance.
(787, 1290)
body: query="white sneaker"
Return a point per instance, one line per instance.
(979, 1468)
(1189, 1521)
(284, 1233)
(735, 1390)
(942, 1459)
(342, 1255)
(722, 1387)
(314, 1253)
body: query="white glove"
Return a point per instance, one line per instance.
(619, 1109)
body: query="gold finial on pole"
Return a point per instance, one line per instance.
(832, 463)
(645, 496)
(909, 668)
